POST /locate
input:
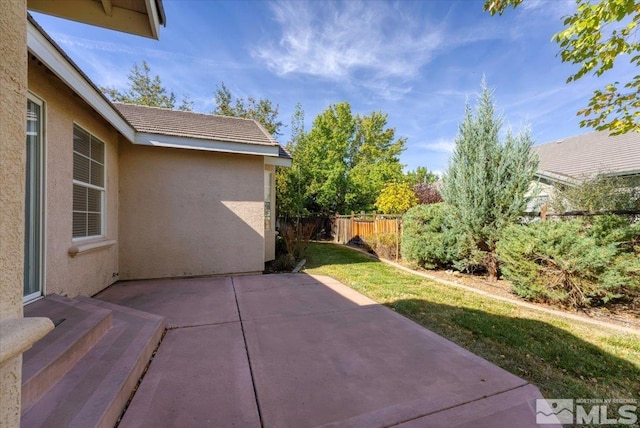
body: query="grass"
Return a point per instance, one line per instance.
(562, 357)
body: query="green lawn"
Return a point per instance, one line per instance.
(564, 358)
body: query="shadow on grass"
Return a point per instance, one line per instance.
(559, 363)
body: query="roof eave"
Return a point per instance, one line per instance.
(279, 161)
(169, 141)
(556, 178)
(104, 14)
(50, 55)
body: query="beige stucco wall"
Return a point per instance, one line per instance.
(13, 91)
(270, 235)
(89, 272)
(189, 212)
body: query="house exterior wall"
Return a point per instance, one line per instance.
(13, 90)
(189, 212)
(270, 235)
(88, 272)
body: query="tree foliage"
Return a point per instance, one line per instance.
(146, 90)
(486, 181)
(421, 175)
(601, 192)
(427, 193)
(427, 240)
(290, 186)
(262, 110)
(346, 160)
(571, 262)
(595, 36)
(396, 198)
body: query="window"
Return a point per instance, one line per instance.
(267, 200)
(88, 184)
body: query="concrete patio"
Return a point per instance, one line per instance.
(296, 350)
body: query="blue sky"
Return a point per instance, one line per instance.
(418, 61)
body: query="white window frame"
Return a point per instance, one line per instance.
(42, 256)
(103, 190)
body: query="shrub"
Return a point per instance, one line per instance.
(296, 238)
(396, 198)
(384, 245)
(601, 192)
(567, 262)
(282, 263)
(426, 240)
(427, 193)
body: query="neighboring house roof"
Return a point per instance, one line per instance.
(587, 155)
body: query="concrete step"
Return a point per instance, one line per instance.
(80, 327)
(95, 390)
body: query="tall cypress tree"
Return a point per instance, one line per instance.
(486, 182)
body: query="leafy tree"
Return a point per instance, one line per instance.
(421, 175)
(595, 36)
(290, 186)
(396, 198)
(373, 160)
(486, 182)
(346, 160)
(145, 90)
(261, 110)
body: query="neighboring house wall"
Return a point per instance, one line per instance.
(189, 212)
(13, 90)
(540, 192)
(88, 272)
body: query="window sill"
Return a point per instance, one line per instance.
(85, 247)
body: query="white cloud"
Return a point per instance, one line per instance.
(336, 40)
(556, 9)
(442, 145)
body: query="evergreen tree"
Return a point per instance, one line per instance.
(146, 91)
(486, 183)
(261, 110)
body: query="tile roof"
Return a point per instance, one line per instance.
(591, 154)
(283, 153)
(155, 120)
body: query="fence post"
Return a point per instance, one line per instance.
(351, 227)
(397, 233)
(543, 212)
(375, 223)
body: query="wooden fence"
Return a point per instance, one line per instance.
(348, 227)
